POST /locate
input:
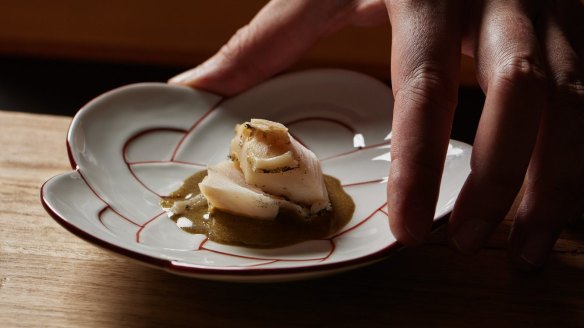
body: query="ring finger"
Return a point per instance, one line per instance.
(512, 76)
(555, 183)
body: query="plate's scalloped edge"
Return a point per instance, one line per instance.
(85, 107)
(207, 272)
(241, 274)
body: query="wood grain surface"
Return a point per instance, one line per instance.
(51, 278)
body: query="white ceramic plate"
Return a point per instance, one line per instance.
(133, 144)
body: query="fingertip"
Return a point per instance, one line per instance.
(198, 76)
(470, 235)
(414, 237)
(530, 246)
(182, 78)
(460, 248)
(408, 239)
(411, 197)
(212, 76)
(515, 252)
(523, 263)
(533, 252)
(408, 236)
(533, 236)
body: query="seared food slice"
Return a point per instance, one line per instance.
(225, 189)
(278, 164)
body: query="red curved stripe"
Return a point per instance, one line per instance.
(318, 118)
(360, 183)
(261, 264)
(260, 258)
(333, 247)
(385, 143)
(360, 223)
(144, 226)
(106, 203)
(163, 162)
(100, 214)
(202, 244)
(147, 131)
(322, 118)
(192, 128)
(136, 136)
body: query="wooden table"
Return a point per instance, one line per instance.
(50, 278)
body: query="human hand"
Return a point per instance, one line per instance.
(529, 64)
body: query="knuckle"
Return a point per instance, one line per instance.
(501, 182)
(521, 69)
(430, 85)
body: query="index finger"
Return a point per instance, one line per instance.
(425, 59)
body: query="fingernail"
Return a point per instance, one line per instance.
(184, 76)
(471, 235)
(198, 72)
(535, 249)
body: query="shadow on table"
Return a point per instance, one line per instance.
(421, 287)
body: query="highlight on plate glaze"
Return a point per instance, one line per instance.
(134, 145)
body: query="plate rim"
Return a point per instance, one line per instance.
(207, 272)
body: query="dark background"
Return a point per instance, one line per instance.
(61, 87)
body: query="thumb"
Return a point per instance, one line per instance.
(279, 34)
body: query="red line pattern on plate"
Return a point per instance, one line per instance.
(332, 250)
(322, 118)
(201, 246)
(262, 258)
(140, 181)
(385, 143)
(360, 183)
(139, 232)
(100, 214)
(142, 133)
(163, 162)
(193, 127)
(106, 203)
(317, 118)
(360, 223)
(261, 264)
(136, 136)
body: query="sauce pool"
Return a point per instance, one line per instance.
(286, 229)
